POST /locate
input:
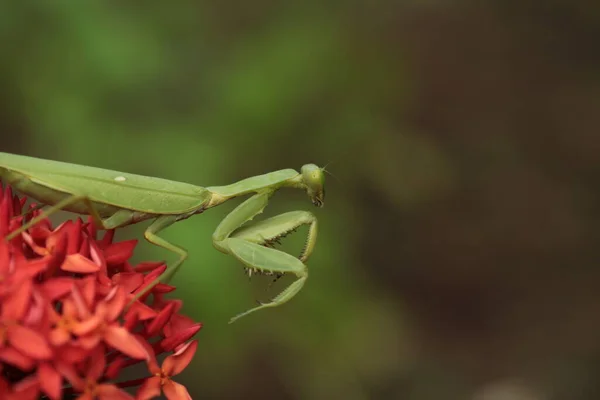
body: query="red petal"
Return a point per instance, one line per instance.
(84, 248)
(148, 266)
(69, 372)
(130, 320)
(120, 339)
(29, 268)
(29, 342)
(36, 314)
(98, 258)
(88, 291)
(161, 303)
(90, 341)
(71, 354)
(144, 312)
(137, 312)
(150, 389)
(178, 307)
(11, 356)
(91, 228)
(162, 288)
(97, 364)
(16, 304)
(39, 250)
(7, 207)
(50, 381)
(4, 255)
(88, 325)
(128, 280)
(18, 204)
(180, 337)
(80, 264)
(176, 391)
(115, 302)
(126, 267)
(73, 232)
(80, 304)
(177, 362)
(55, 288)
(118, 253)
(13, 224)
(21, 203)
(151, 360)
(5, 212)
(178, 323)
(69, 308)
(107, 238)
(161, 319)
(42, 230)
(59, 336)
(56, 243)
(103, 278)
(155, 273)
(150, 279)
(115, 367)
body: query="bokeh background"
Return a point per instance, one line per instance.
(458, 249)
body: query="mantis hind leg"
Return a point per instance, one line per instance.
(151, 236)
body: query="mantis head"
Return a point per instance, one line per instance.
(314, 181)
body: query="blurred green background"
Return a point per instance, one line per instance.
(458, 249)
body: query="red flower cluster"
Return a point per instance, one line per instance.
(67, 328)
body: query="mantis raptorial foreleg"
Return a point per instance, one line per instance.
(247, 244)
(271, 229)
(150, 234)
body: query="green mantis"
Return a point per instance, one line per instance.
(116, 199)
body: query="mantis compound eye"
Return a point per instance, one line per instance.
(314, 179)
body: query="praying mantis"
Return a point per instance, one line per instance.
(116, 199)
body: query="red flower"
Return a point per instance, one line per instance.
(90, 383)
(65, 317)
(102, 324)
(161, 379)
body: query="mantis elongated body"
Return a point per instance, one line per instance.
(116, 199)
